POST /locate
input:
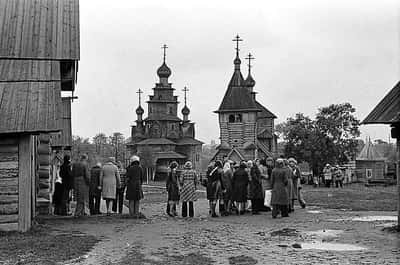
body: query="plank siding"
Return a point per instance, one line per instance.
(41, 29)
(29, 70)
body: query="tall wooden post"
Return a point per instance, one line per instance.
(396, 134)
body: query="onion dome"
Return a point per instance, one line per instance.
(249, 82)
(139, 110)
(164, 71)
(185, 110)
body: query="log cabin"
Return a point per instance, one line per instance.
(39, 53)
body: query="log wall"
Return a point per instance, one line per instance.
(9, 184)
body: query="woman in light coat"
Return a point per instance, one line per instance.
(109, 182)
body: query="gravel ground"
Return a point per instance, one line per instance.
(246, 239)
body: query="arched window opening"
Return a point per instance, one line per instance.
(231, 118)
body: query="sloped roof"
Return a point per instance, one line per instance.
(188, 141)
(265, 113)
(41, 29)
(29, 107)
(264, 133)
(388, 109)
(369, 153)
(156, 141)
(29, 70)
(237, 97)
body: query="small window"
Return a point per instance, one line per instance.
(159, 97)
(171, 110)
(231, 118)
(238, 118)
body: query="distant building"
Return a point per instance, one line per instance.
(246, 126)
(163, 137)
(370, 165)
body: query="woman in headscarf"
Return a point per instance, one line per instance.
(227, 184)
(109, 182)
(172, 189)
(188, 183)
(296, 183)
(214, 187)
(279, 183)
(240, 181)
(256, 194)
(134, 192)
(290, 188)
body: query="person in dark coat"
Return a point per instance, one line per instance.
(134, 192)
(255, 191)
(95, 190)
(279, 183)
(172, 185)
(214, 187)
(67, 184)
(296, 183)
(81, 175)
(240, 181)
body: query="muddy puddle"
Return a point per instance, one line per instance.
(375, 218)
(285, 232)
(324, 233)
(330, 246)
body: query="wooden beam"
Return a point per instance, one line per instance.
(25, 183)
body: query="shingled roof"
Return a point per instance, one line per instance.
(237, 96)
(369, 153)
(41, 29)
(265, 113)
(388, 110)
(27, 107)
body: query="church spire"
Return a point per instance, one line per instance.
(163, 71)
(249, 82)
(185, 109)
(237, 61)
(139, 110)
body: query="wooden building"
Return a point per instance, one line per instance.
(370, 165)
(388, 112)
(163, 137)
(39, 53)
(246, 126)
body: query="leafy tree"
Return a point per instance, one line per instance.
(330, 138)
(100, 140)
(341, 130)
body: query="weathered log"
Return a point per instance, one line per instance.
(8, 164)
(9, 227)
(11, 208)
(9, 141)
(8, 198)
(8, 218)
(44, 159)
(8, 173)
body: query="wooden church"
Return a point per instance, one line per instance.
(162, 136)
(246, 126)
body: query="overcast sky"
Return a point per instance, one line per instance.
(308, 54)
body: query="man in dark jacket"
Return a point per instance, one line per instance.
(80, 173)
(67, 184)
(134, 192)
(94, 189)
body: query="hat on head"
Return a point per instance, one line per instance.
(292, 160)
(188, 165)
(173, 164)
(134, 159)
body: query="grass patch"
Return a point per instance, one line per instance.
(355, 197)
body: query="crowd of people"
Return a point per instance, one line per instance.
(235, 187)
(259, 185)
(109, 181)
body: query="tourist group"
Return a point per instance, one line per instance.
(236, 187)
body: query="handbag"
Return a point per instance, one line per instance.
(267, 198)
